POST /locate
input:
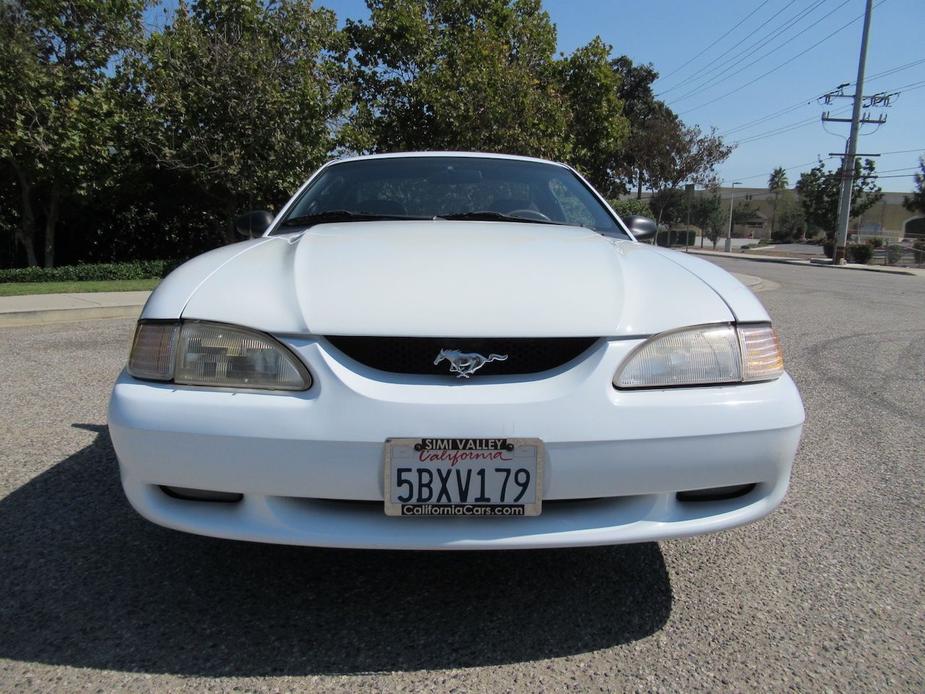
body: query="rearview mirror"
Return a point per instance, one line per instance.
(253, 223)
(642, 227)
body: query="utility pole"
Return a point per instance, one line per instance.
(844, 201)
(732, 198)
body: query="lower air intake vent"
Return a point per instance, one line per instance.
(416, 355)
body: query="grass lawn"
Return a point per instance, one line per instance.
(23, 288)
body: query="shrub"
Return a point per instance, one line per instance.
(138, 270)
(676, 237)
(894, 253)
(828, 247)
(861, 253)
(631, 206)
(875, 242)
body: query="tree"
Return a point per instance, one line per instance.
(709, 213)
(791, 224)
(819, 191)
(458, 74)
(598, 127)
(668, 205)
(240, 100)
(631, 206)
(916, 203)
(744, 213)
(56, 110)
(687, 155)
(777, 183)
(684, 155)
(651, 122)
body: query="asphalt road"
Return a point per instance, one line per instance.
(827, 593)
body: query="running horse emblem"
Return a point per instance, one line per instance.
(464, 364)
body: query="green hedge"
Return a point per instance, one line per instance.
(138, 270)
(631, 206)
(861, 253)
(679, 237)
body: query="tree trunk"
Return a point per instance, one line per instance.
(51, 222)
(639, 185)
(25, 235)
(773, 217)
(228, 232)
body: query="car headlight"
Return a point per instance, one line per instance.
(211, 354)
(703, 355)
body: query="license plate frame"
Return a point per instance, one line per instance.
(492, 455)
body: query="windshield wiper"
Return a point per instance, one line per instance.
(307, 220)
(489, 216)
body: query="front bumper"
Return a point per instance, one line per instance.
(310, 464)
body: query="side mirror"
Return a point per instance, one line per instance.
(253, 223)
(642, 227)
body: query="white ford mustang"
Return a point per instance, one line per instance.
(452, 351)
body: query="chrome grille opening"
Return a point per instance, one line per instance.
(416, 355)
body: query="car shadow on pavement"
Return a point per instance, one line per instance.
(86, 582)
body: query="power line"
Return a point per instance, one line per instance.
(775, 69)
(822, 159)
(726, 74)
(784, 128)
(736, 26)
(811, 99)
(734, 46)
(770, 116)
(904, 151)
(902, 168)
(899, 68)
(707, 73)
(789, 168)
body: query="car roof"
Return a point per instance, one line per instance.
(480, 155)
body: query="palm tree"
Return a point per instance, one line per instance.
(777, 182)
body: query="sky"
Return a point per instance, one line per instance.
(725, 64)
(684, 40)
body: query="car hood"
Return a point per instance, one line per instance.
(448, 278)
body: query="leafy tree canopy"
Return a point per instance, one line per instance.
(819, 191)
(55, 107)
(457, 74)
(239, 98)
(916, 202)
(777, 181)
(686, 155)
(598, 126)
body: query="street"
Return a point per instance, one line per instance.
(826, 593)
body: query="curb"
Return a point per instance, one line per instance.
(12, 319)
(755, 284)
(807, 263)
(818, 262)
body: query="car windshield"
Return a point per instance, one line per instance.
(460, 188)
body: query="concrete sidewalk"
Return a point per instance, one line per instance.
(35, 309)
(818, 262)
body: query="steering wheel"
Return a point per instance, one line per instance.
(529, 214)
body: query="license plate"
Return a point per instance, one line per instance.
(463, 477)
